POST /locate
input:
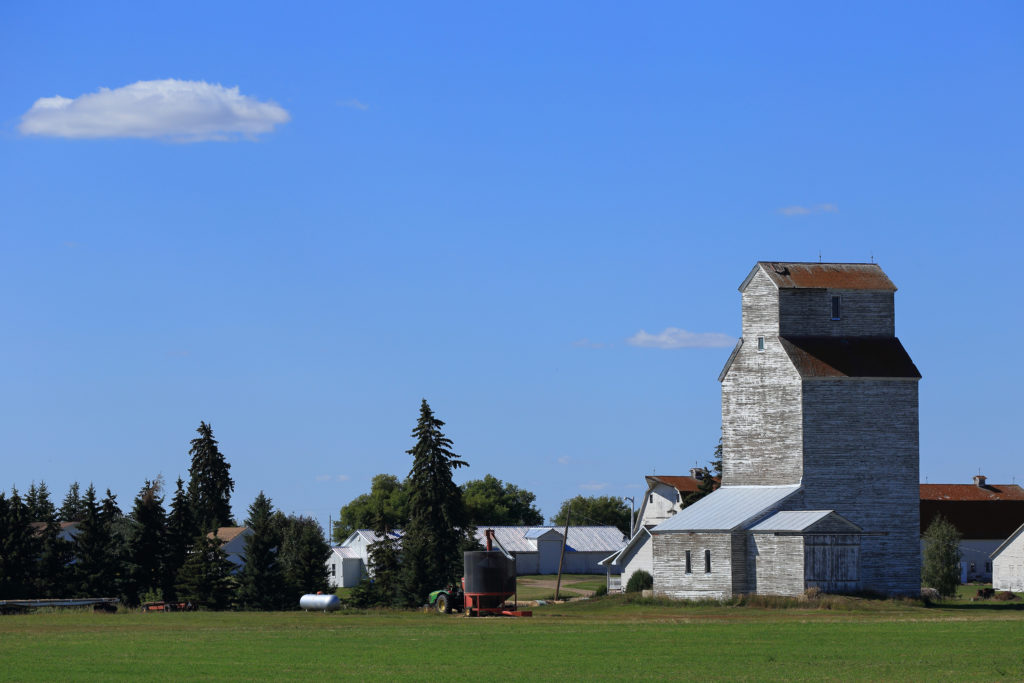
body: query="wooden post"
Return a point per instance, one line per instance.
(561, 558)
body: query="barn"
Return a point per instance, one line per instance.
(819, 398)
(1008, 563)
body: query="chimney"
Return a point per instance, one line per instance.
(698, 472)
(979, 480)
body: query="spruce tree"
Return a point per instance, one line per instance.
(261, 582)
(205, 579)
(437, 519)
(210, 484)
(18, 548)
(304, 553)
(181, 532)
(93, 570)
(385, 564)
(53, 568)
(42, 508)
(147, 544)
(73, 507)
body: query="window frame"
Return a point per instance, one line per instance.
(689, 565)
(836, 307)
(760, 344)
(707, 560)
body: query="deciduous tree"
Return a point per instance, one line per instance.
(388, 496)
(489, 501)
(941, 569)
(595, 511)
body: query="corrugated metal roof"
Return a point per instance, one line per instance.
(345, 551)
(728, 508)
(849, 357)
(827, 276)
(371, 536)
(796, 520)
(582, 539)
(964, 492)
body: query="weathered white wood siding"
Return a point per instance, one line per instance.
(760, 307)
(641, 556)
(860, 446)
(661, 503)
(808, 312)
(671, 579)
(775, 564)
(1008, 567)
(761, 417)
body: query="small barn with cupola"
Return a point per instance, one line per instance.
(819, 398)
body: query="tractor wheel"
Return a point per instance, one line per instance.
(442, 604)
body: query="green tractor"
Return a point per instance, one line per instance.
(444, 600)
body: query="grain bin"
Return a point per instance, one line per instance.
(489, 580)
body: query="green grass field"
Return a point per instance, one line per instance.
(605, 638)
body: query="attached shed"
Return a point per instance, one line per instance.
(345, 568)
(1008, 563)
(817, 548)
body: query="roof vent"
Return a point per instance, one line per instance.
(780, 269)
(979, 480)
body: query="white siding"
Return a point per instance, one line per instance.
(1008, 567)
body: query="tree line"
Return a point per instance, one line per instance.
(151, 553)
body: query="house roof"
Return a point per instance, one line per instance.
(849, 357)
(800, 520)
(971, 492)
(1008, 541)
(727, 509)
(681, 484)
(345, 552)
(227, 533)
(795, 275)
(371, 536)
(640, 536)
(582, 539)
(40, 527)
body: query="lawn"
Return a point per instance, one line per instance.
(605, 638)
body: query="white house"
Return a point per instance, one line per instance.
(1008, 563)
(664, 498)
(232, 540)
(345, 568)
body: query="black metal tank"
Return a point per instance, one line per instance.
(490, 575)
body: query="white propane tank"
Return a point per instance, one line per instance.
(319, 602)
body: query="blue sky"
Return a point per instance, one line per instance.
(480, 206)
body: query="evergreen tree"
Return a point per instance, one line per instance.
(437, 517)
(93, 569)
(385, 564)
(119, 530)
(941, 569)
(181, 532)
(304, 554)
(73, 507)
(261, 583)
(18, 548)
(147, 544)
(53, 568)
(205, 579)
(40, 506)
(210, 484)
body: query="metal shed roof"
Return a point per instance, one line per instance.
(582, 539)
(727, 509)
(797, 520)
(791, 275)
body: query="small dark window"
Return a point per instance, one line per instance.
(760, 343)
(687, 561)
(835, 308)
(707, 561)
(652, 498)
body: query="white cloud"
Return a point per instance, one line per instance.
(805, 210)
(675, 338)
(186, 111)
(594, 486)
(564, 460)
(342, 477)
(323, 477)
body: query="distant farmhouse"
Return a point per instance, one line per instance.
(232, 540)
(984, 514)
(1008, 563)
(537, 550)
(819, 399)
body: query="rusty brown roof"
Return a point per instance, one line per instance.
(227, 533)
(965, 492)
(827, 275)
(849, 357)
(681, 484)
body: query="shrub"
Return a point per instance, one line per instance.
(941, 569)
(601, 590)
(640, 580)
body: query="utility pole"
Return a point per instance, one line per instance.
(632, 503)
(558, 584)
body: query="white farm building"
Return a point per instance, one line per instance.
(1008, 563)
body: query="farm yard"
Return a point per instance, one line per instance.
(610, 638)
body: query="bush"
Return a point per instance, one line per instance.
(941, 569)
(601, 590)
(640, 580)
